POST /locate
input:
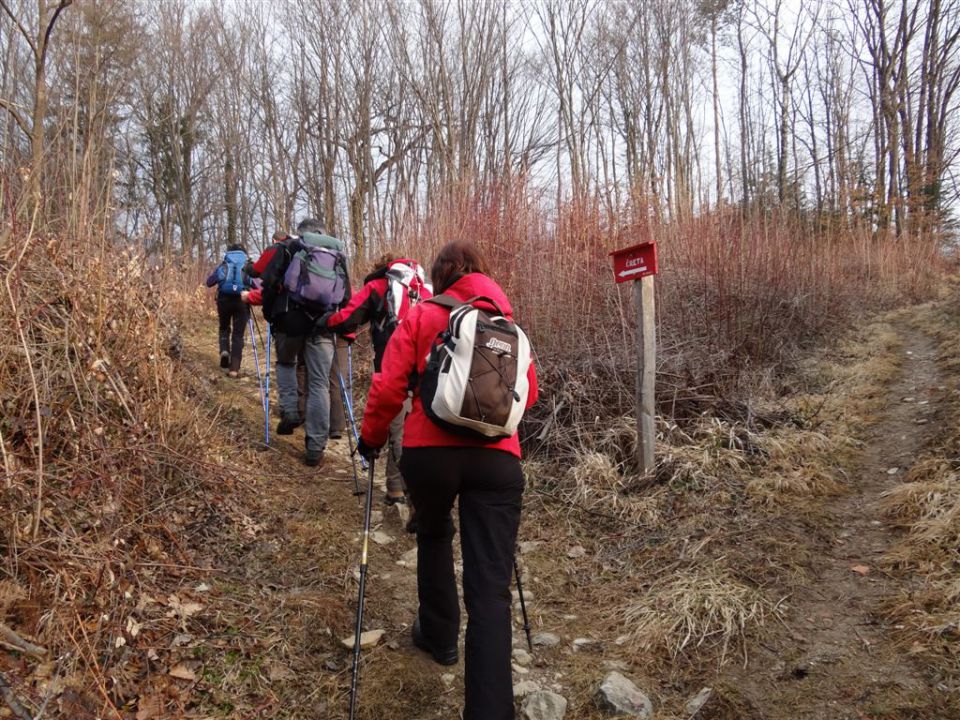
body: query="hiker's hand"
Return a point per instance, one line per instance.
(367, 452)
(245, 296)
(323, 319)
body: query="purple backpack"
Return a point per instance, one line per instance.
(316, 277)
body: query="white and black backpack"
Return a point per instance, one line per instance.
(404, 280)
(475, 381)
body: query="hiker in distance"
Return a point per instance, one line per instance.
(305, 280)
(389, 292)
(473, 457)
(255, 297)
(231, 279)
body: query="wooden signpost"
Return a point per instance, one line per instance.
(638, 264)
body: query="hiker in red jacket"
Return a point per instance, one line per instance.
(439, 465)
(393, 287)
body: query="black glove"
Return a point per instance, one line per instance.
(368, 452)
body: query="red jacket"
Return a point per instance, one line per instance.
(369, 305)
(256, 294)
(407, 352)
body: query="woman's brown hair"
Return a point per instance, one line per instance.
(383, 261)
(455, 259)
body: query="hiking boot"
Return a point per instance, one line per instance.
(390, 501)
(313, 458)
(335, 434)
(288, 423)
(449, 656)
(224, 359)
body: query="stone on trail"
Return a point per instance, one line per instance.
(577, 551)
(527, 596)
(697, 702)
(528, 546)
(367, 639)
(381, 538)
(621, 697)
(525, 687)
(408, 559)
(544, 705)
(545, 639)
(585, 644)
(522, 657)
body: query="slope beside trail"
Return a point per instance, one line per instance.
(837, 658)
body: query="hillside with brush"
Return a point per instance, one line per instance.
(165, 553)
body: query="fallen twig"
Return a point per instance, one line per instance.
(24, 645)
(18, 710)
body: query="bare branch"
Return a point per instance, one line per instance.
(20, 27)
(64, 4)
(11, 108)
(18, 710)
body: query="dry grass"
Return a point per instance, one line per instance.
(695, 607)
(698, 562)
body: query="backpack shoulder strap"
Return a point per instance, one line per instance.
(447, 301)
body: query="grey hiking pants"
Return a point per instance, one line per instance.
(318, 356)
(338, 414)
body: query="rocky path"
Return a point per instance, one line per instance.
(839, 661)
(301, 571)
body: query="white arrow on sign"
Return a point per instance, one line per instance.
(632, 271)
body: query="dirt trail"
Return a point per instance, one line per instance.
(839, 661)
(300, 571)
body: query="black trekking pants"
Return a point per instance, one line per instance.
(489, 484)
(232, 311)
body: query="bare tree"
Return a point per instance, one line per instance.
(37, 37)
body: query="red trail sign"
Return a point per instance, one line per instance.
(635, 262)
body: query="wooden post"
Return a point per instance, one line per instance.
(646, 372)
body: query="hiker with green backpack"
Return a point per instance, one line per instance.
(231, 279)
(304, 282)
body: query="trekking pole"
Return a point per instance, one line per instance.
(523, 604)
(266, 394)
(256, 361)
(353, 458)
(348, 404)
(256, 324)
(363, 582)
(350, 370)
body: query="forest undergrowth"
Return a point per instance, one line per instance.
(116, 473)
